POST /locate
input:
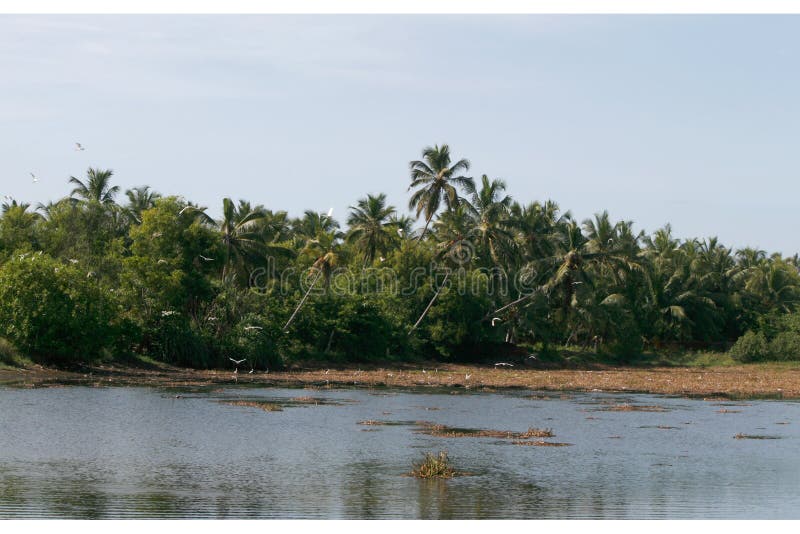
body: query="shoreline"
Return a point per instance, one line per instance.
(755, 380)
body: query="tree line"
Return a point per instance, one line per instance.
(101, 275)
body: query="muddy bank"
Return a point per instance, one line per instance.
(738, 381)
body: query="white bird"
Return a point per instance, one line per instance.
(495, 320)
(237, 363)
(382, 259)
(253, 328)
(184, 209)
(206, 259)
(161, 261)
(79, 147)
(467, 377)
(400, 232)
(35, 179)
(73, 260)
(503, 364)
(532, 357)
(330, 212)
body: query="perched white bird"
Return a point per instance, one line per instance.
(382, 259)
(35, 179)
(496, 320)
(503, 364)
(79, 147)
(400, 232)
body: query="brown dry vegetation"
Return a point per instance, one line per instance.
(718, 383)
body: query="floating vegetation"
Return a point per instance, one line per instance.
(724, 410)
(660, 427)
(754, 436)
(262, 405)
(434, 466)
(632, 408)
(782, 423)
(375, 422)
(540, 443)
(444, 431)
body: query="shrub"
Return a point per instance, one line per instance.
(751, 347)
(785, 346)
(55, 313)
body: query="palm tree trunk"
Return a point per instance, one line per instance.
(428, 307)
(424, 230)
(300, 305)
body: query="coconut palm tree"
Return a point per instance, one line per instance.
(97, 187)
(325, 249)
(371, 229)
(140, 199)
(436, 180)
(490, 209)
(240, 237)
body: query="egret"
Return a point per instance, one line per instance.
(35, 179)
(503, 364)
(237, 363)
(495, 320)
(79, 147)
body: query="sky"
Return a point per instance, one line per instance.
(691, 120)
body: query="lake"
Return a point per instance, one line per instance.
(136, 452)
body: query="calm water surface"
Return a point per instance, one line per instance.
(83, 452)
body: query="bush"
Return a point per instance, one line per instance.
(785, 346)
(8, 353)
(55, 313)
(751, 347)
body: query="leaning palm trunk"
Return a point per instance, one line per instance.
(428, 307)
(425, 230)
(302, 301)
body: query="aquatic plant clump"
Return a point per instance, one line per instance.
(266, 406)
(434, 466)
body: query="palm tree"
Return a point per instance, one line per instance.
(140, 199)
(97, 187)
(240, 236)
(436, 180)
(490, 209)
(325, 249)
(371, 229)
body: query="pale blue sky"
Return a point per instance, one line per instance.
(687, 119)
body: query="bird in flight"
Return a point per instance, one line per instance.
(503, 364)
(496, 320)
(330, 212)
(79, 147)
(237, 362)
(35, 179)
(206, 259)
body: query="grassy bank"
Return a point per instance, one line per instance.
(772, 380)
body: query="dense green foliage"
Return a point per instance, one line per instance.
(89, 277)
